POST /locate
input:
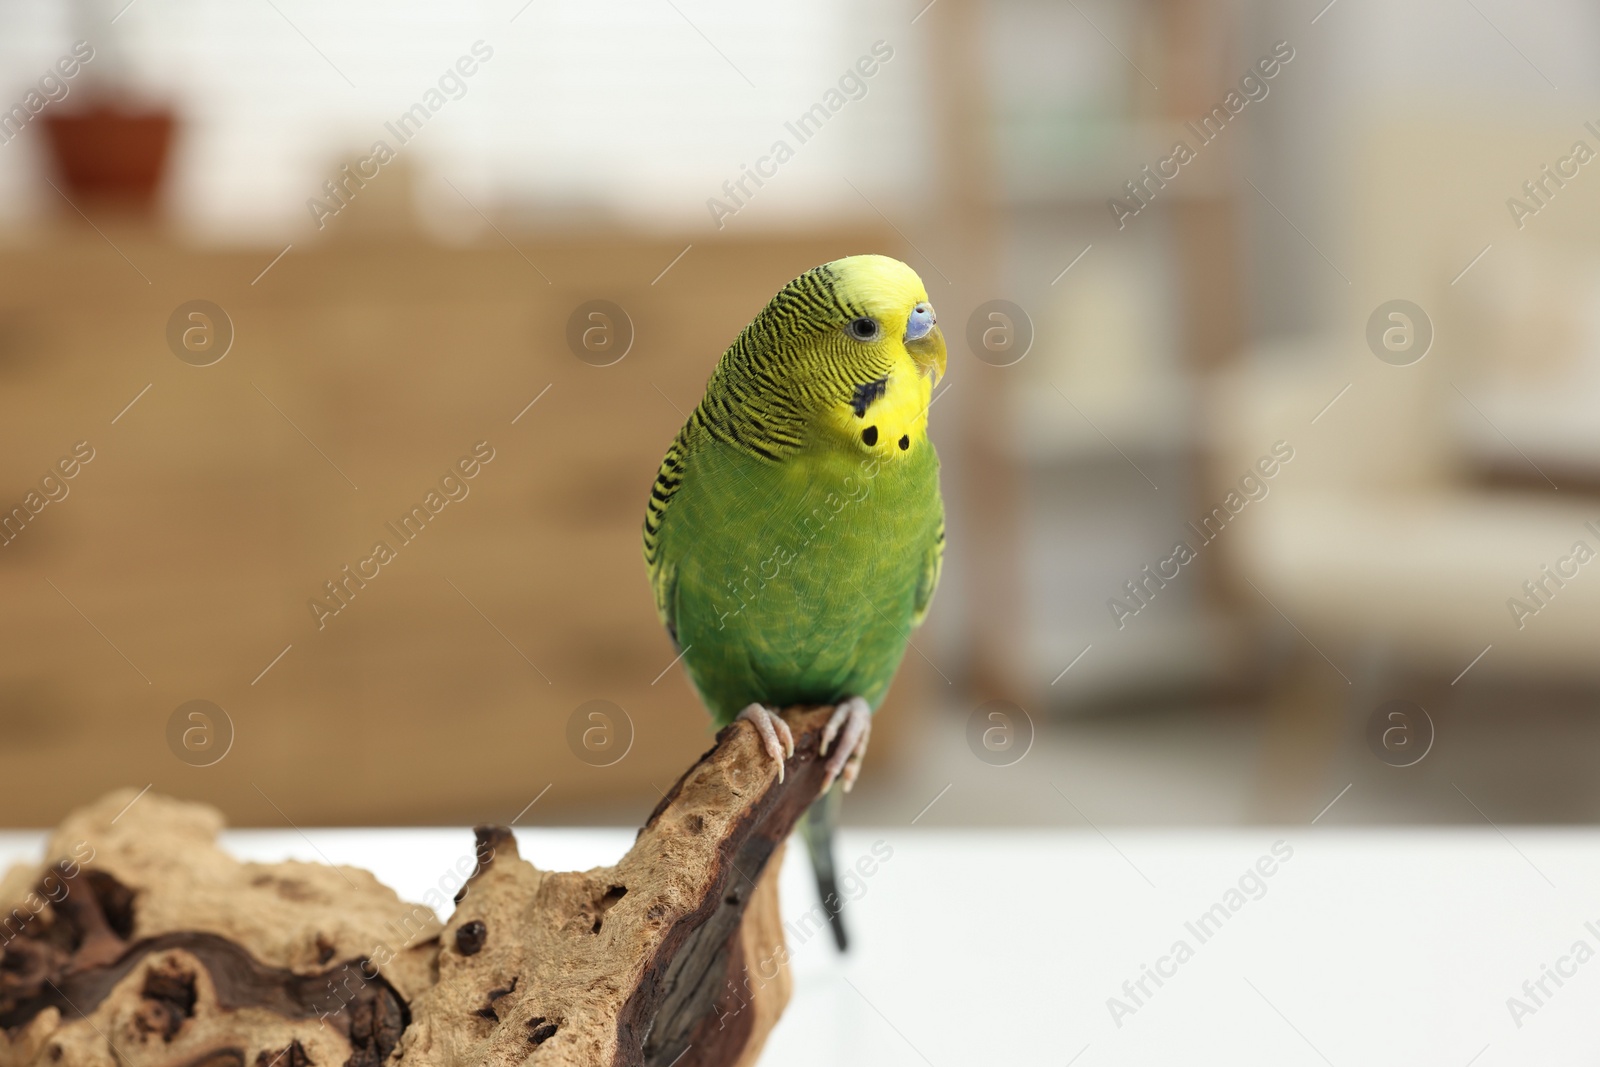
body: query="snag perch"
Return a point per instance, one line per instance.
(139, 943)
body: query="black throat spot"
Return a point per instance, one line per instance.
(866, 393)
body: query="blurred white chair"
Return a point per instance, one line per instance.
(1422, 499)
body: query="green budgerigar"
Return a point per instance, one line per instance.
(795, 529)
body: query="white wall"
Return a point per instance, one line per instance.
(620, 109)
(1364, 59)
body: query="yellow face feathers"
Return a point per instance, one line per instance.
(844, 357)
(893, 424)
(887, 412)
(877, 284)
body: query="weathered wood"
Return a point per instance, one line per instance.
(140, 944)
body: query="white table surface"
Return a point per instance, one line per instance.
(1367, 948)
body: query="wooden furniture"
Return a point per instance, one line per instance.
(1091, 448)
(222, 498)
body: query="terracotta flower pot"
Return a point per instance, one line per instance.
(107, 153)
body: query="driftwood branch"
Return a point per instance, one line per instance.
(140, 943)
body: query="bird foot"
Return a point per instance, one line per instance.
(776, 737)
(852, 726)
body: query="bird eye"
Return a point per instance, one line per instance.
(864, 329)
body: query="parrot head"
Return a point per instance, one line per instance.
(855, 345)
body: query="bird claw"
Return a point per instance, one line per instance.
(776, 737)
(851, 725)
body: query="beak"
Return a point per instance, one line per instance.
(924, 342)
(928, 353)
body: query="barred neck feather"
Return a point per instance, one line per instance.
(789, 367)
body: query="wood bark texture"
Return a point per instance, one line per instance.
(139, 943)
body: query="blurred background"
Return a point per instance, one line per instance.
(1275, 351)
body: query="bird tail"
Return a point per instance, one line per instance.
(817, 828)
